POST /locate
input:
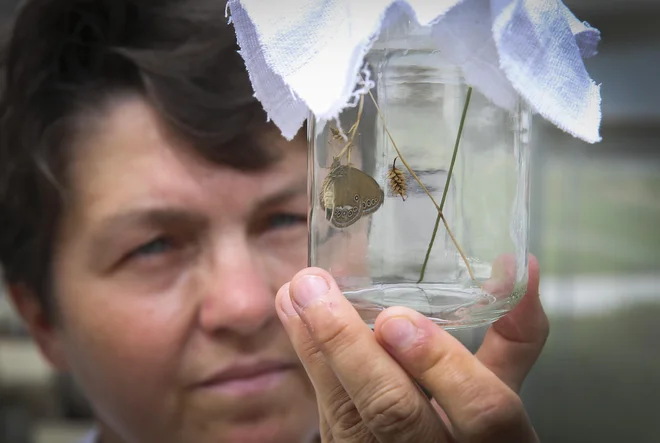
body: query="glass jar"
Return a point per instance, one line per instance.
(419, 194)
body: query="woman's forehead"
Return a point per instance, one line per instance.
(129, 158)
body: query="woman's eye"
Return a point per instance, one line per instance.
(154, 247)
(286, 220)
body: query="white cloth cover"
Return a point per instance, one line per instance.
(305, 55)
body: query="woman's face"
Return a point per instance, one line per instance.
(165, 274)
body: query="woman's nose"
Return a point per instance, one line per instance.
(236, 294)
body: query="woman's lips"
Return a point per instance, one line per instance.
(248, 378)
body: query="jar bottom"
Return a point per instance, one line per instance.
(448, 305)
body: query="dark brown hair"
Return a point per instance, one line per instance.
(63, 57)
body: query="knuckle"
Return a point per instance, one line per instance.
(392, 410)
(310, 352)
(495, 414)
(341, 407)
(347, 423)
(326, 435)
(334, 338)
(325, 432)
(432, 360)
(347, 431)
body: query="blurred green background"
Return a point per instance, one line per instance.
(595, 230)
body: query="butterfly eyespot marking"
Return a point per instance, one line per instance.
(342, 181)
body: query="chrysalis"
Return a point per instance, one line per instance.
(397, 179)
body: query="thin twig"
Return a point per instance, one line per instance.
(444, 198)
(410, 170)
(352, 132)
(458, 142)
(355, 126)
(428, 251)
(403, 160)
(460, 251)
(345, 150)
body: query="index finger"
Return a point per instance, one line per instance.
(388, 401)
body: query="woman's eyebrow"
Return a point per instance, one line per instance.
(285, 194)
(166, 217)
(146, 218)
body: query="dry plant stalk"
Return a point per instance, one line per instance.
(337, 134)
(397, 180)
(441, 215)
(439, 207)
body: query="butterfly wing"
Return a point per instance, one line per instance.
(345, 216)
(347, 194)
(327, 194)
(370, 193)
(345, 201)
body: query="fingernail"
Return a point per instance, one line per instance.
(308, 289)
(399, 332)
(285, 302)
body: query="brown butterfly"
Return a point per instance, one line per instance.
(348, 194)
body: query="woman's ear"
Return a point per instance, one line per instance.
(40, 325)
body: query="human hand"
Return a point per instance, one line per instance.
(364, 379)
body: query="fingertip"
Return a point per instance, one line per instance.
(402, 329)
(283, 302)
(314, 271)
(534, 271)
(533, 260)
(283, 291)
(527, 322)
(398, 312)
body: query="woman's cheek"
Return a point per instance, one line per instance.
(284, 254)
